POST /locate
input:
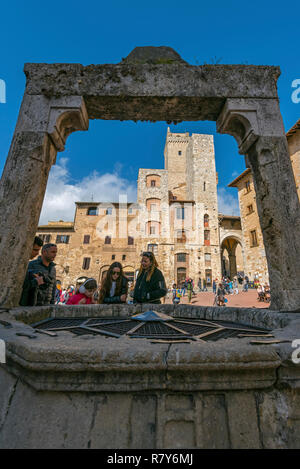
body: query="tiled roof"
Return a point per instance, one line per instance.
(293, 129)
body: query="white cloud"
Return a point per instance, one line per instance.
(62, 192)
(228, 203)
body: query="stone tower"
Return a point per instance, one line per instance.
(180, 211)
(175, 163)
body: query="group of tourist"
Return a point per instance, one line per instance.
(227, 287)
(40, 286)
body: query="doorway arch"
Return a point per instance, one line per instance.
(232, 263)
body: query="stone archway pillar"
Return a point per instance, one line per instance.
(257, 126)
(232, 265)
(41, 131)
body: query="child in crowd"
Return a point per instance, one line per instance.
(85, 296)
(177, 294)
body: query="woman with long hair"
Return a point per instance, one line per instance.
(114, 285)
(150, 283)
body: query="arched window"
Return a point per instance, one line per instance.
(181, 257)
(86, 263)
(181, 275)
(107, 240)
(206, 220)
(153, 205)
(206, 237)
(130, 240)
(153, 228)
(153, 248)
(153, 180)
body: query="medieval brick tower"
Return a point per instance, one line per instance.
(180, 215)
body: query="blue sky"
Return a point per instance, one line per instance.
(107, 157)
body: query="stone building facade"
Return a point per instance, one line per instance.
(252, 240)
(175, 216)
(293, 138)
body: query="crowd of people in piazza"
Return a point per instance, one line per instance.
(41, 287)
(221, 288)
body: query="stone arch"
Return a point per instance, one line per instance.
(238, 126)
(230, 244)
(243, 100)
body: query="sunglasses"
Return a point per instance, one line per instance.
(115, 273)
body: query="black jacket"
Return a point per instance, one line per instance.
(34, 295)
(152, 291)
(117, 299)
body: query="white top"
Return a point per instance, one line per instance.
(113, 289)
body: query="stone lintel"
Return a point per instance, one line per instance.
(153, 92)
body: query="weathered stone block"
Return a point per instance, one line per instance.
(143, 421)
(243, 421)
(110, 427)
(213, 420)
(179, 434)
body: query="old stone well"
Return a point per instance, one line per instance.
(68, 390)
(222, 388)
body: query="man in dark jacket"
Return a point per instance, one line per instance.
(40, 281)
(150, 285)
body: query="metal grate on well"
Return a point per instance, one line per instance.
(169, 329)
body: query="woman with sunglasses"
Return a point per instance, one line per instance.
(150, 283)
(114, 285)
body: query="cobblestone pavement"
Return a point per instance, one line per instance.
(243, 300)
